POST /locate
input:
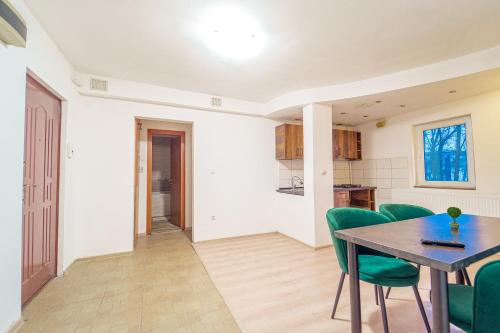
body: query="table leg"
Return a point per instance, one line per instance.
(352, 257)
(459, 276)
(439, 292)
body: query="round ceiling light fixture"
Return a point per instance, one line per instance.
(232, 33)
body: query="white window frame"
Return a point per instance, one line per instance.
(419, 154)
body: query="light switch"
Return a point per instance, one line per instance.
(70, 151)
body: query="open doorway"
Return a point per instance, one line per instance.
(163, 178)
(166, 181)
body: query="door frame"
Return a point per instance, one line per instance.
(137, 130)
(182, 136)
(32, 79)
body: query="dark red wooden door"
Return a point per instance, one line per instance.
(40, 198)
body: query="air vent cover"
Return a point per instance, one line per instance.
(216, 101)
(13, 29)
(96, 84)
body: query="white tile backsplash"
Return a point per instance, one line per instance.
(370, 173)
(400, 173)
(399, 163)
(340, 173)
(340, 165)
(357, 165)
(285, 182)
(383, 163)
(383, 194)
(297, 164)
(369, 164)
(400, 183)
(357, 174)
(383, 173)
(289, 169)
(285, 165)
(384, 183)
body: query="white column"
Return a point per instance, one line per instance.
(318, 168)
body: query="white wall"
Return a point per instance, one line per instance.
(233, 172)
(143, 158)
(396, 140)
(43, 59)
(12, 106)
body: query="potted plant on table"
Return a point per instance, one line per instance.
(454, 213)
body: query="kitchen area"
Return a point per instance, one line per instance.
(347, 149)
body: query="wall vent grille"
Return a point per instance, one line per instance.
(96, 84)
(216, 101)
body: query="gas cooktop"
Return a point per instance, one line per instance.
(346, 185)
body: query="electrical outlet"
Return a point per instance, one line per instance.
(212, 218)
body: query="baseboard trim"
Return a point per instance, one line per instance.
(16, 326)
(303, 243)
(235, 237)
(104, 256)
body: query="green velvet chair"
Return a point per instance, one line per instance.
(477, 309)
(375, 267)
(401, 212)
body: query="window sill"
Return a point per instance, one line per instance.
(446, 187)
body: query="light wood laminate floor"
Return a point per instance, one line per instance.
(160, 287)
(272, 283)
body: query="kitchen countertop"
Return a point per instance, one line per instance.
(300, 190)
(354, 188)
(290, 190)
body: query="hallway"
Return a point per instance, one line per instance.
(160, 287)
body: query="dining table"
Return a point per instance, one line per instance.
(402, 239)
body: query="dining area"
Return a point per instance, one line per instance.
(389, 248)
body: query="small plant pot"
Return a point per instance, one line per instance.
(454, 226)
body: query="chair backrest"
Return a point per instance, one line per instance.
(487, 299)
(400, 212)
(346, 218)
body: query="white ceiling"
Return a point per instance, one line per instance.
(310, 43)
(359, 110)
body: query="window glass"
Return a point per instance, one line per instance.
(445, 153)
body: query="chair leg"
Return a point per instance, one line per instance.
(421, 308)
(383, 309)
(339, 291)
(418, 267)
(466, 276)
(376, 293)
(388, 291)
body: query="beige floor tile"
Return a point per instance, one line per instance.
(161, 287)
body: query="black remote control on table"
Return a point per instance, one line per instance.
(437, 242)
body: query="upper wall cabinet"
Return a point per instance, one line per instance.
(289, 142)
(346, 145)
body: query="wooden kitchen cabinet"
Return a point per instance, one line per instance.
(355, 197)
(341, 199)
(346, 145)
(289, 142)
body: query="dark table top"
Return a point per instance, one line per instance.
(480, 234)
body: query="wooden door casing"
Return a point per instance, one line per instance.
(136, 181)
(175, 189)
(40, 188)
